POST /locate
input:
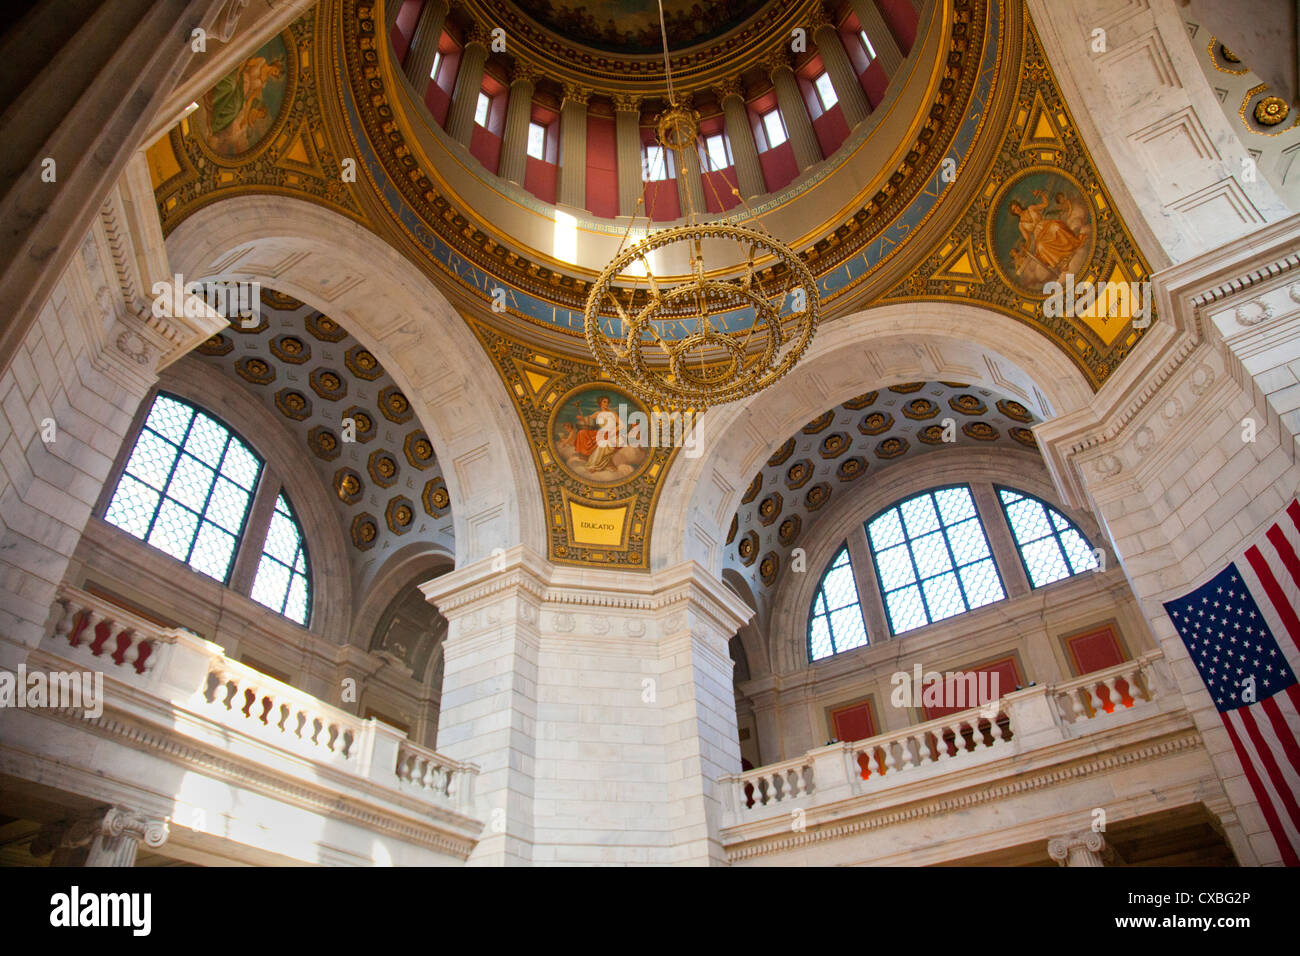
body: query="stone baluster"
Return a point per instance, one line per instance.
(469, 83)
(63, 627)
(424, 43)
(744, 152)
(798, 125)
(853, 101)
(519, 113)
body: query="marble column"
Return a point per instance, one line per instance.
(882, 39)
(391, 9)
(690, 182)
(798, 125)
(1077, 849)
(424, 43)
(572, 189)
(744, 154)
(519, 113)
(853, 101)
(110, 837)
(469, 83)
(627, 131)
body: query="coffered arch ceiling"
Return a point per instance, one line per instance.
(852, 442)
(387, 485)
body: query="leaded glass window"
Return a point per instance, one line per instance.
(187, 487)
(835, 620)
(283, 582)
(1051, 545)
(932, 558)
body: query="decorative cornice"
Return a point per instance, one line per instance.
(1040, 780)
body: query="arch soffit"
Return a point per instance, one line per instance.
(351, 275)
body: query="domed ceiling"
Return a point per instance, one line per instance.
(930, 198)
(632, 26)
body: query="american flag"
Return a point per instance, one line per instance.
(1242, 631)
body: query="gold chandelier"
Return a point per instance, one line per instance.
(708, 334)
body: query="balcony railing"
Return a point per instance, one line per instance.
(194, 673)
(1018, 723)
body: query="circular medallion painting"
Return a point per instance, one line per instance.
(239, 114)
(1041, 229)
(600, 435)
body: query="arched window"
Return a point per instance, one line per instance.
(283, 582)
(1051, 546)
(932, 558)
(835, 620)
(187, 487)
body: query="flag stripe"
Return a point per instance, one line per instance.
(1281, 777)
(1271, 588)
(1284, 734)
(1284, 844)
(1285, 552)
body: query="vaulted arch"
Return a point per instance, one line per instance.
(875, 348)
(348, 273)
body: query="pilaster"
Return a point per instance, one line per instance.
(599, 705)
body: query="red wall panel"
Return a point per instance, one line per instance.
(1009, 678)
(1094, 650)
(437, 97)
(485, 146)
(854, 722)
(602, 166)
(831, 129)
(717, 189)
(404, 28)
(541, 178)
(874, 82)
(902, 20)
(779, 166)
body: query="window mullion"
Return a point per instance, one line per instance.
(162, 492)
(257, 524)
(911, 556)
(207, 499)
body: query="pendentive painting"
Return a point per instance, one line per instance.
(1042, 229)
(598, 435)
(237, 115)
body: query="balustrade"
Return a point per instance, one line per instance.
(172, 661)
(1043, 715)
